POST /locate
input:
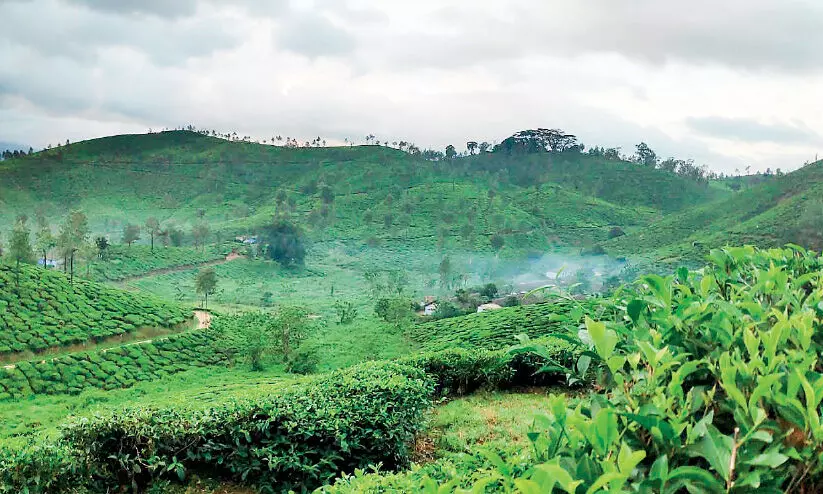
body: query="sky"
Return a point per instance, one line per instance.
(728, 83)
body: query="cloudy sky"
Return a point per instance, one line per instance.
(729, 83)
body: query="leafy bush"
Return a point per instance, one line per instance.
(499, 329)
(708, 382)
(298, 438)
(118, 367)
(48, 312)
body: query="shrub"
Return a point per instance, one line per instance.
(298, 438)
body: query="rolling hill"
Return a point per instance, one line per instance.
(786, 209)
(343, 193)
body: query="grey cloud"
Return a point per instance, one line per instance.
(752, 131)
(162, 8)
(748, 34)
(64, 31)
(314, 35)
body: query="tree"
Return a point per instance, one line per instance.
(206, 284)
(20, 248)
(346, 312)
(538, 141)
(286, 243)
(153, 229)
(450, 152)
(445, 270)
(175, 236)
(73, 234)
(292, 326)
(484, 147)
(131, 234)
(102, 244)
(497, 242)
(326, 193)
(645, 156)
(200, 233)
(472, 147)
(489, 291)
(45, 241)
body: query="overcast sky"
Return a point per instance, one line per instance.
(729, 83)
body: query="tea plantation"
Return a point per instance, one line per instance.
(114, 368)
(498, 329)
(123, 262)
(45, 311)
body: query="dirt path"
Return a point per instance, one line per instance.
(175, 269)
(203, 322)
(203, 319)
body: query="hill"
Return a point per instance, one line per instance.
(350, 193)
(785, 209)
(46, 313)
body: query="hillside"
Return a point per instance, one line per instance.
(375, 192)
(46, 313)
(786, 209)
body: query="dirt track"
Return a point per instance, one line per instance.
(231, 257)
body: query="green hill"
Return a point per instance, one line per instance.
(786, 209)
(373, 192)
(47, 313)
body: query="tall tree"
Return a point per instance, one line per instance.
(153, 229)
(200, 233)
(73, 234)
(206, 284)
(471, 146)
(102, 244)
(131, 234)
(286, 243)
(44, 241)
(20, 248)
(645, 156)
(450, 152)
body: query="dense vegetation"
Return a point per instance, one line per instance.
(113, 368)
(45, 311)
(708, 382)
(125, 262)
(784, 209)
(498, 329)
(352, 193)
(701, 381)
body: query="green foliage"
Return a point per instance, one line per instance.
(114, 368)
(286, 243)
(304, 360)
(47, 312)
(299, 437)
(206, 284)
(498, 329)
(709, 382)
(122, 263)
(346, 311)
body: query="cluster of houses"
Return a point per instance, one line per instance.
(429, 306)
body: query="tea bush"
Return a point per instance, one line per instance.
(498, 329)
(706, 382)
(46, 311)
(124, 262)
(298, 438)
(118, 367)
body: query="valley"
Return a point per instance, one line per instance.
(180, 312)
